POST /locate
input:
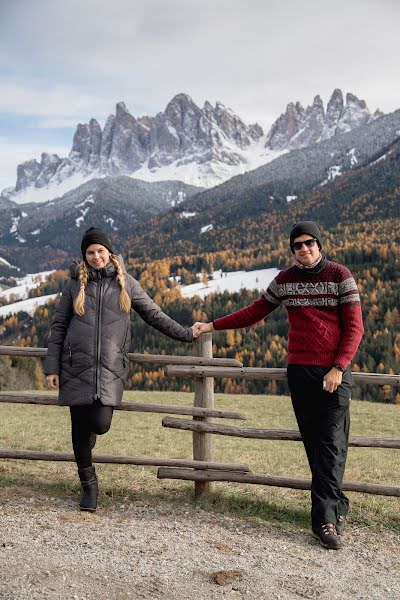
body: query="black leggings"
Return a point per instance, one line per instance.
(86, 423)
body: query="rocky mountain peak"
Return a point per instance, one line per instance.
(179, 107)
(285, 127)
(183, 133)
(213, 140)
(318, 104)
(351, 99)
(334, 108)
(297, 128)
(121, 110)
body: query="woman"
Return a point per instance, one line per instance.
(89, 342)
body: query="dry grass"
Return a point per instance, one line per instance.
(141, 434)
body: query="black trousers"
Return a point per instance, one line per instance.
(86, 423)
(324, 421)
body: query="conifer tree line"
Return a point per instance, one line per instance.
(369, 248)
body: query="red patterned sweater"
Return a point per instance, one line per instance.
(324, 313)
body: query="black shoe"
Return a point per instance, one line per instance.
(90, 489)
(340, 524)
(327, 535)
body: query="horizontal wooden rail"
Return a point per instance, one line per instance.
(122, 460)
(268, 434)
(158, 359)
(269, 374)
(238, 372)
(298, 484)
(47, 400)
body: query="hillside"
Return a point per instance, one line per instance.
(47, 235)
(359, 213)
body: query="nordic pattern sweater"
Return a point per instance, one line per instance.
(324, 312)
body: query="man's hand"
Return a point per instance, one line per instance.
(332, 380)
(199, 328)
(53, 381)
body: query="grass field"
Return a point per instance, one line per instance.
(141, 434)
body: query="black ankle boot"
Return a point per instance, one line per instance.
(90, 489)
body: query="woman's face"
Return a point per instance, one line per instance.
(97, 256)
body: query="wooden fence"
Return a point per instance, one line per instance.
(203, 368)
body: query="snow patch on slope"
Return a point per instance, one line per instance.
(231, 282)
(51, 191)
(24, 285)
(28, 306)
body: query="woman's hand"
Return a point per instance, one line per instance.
(199, 328)
(53, 381)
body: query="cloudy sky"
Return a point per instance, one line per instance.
(65, 61)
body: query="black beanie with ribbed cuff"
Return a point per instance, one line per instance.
(305, 227)
(95, 236)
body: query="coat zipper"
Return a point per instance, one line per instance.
(98, 338)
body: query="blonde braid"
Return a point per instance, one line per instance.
(124, 299)
(79, 304)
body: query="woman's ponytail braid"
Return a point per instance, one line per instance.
(124, 299)
(79, 304)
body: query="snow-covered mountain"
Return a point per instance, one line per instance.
(199, 146)
(299, 127)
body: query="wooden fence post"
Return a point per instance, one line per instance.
(204, 398)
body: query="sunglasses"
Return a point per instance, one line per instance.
(308, 243)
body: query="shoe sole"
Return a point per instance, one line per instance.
(87, 509)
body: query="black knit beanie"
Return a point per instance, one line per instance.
(95, 236)
(305, 227)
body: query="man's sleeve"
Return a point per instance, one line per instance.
(249, 315)
(351, 320)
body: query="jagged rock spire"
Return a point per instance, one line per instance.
(297, 128)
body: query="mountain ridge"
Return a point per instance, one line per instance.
(205, 146)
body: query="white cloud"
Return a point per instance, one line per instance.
(65, 62)
(255, 58)
(57, 105)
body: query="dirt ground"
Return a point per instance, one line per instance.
(49, 550)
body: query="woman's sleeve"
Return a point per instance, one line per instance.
(59, 328)
(152, 314)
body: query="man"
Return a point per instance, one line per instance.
(324, 312)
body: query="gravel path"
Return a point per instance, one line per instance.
(48, 550)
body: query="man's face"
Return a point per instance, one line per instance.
(306, 254)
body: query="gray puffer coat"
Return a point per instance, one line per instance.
(90, 352)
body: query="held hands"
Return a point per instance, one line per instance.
(199, 328)
(332, 380)
(53, 381)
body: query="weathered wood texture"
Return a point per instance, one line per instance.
(203, 398)
(121, 460)
(269, 374)
(258, 479)
(45, 399)
(159, 359)
(268, 434)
